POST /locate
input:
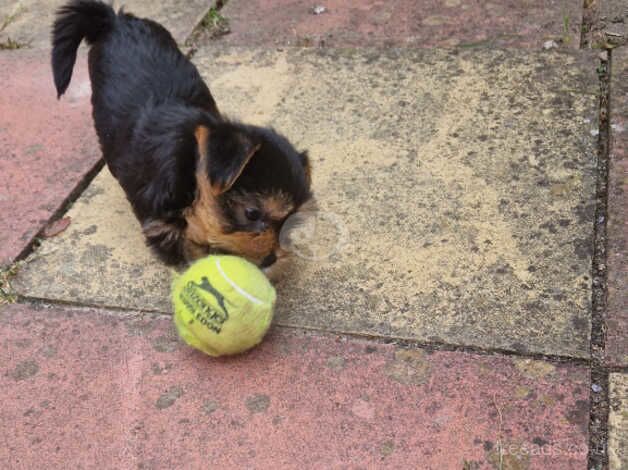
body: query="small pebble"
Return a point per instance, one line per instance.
(319, 9)
(550, 44)
(596, 388)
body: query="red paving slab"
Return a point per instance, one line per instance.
(85, 389)
(404, 22)
(46, 146)
(617, 326)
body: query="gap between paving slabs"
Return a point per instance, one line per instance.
(598, 418)
(500, 235)
(608, 432)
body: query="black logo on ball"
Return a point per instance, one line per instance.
(192, 296)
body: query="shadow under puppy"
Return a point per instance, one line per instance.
(197, 182)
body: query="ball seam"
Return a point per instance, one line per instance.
(241, 291)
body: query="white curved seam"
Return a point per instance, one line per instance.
(252, 298)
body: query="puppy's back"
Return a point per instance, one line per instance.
(139, 65)
(134, 64)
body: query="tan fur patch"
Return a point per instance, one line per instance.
(204, 216)
(193, 251)
(202, 136)
(252, 246)
(156, 228)
(159, 228)
(204, 230)
(308, 173)
(277, 205)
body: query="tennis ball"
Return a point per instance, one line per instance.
(222, 305)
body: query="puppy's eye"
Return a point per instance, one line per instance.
(252, 214)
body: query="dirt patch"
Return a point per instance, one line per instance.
(212, 26)
(7, 296)
(24, 370)
(167, 399)
(258, 403)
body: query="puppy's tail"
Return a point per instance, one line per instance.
(76, 20)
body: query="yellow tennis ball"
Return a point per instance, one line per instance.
(222, 305)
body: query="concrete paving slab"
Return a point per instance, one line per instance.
(404, 23)
(618, 422)
(462, 182)
(46, 146)
(101, 258)
(612, 25)
(617, 228)
(83, 387)
(29, 21)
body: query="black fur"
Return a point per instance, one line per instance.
(148, 100)
(77, 20)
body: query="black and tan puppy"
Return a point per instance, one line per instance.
(197, 182)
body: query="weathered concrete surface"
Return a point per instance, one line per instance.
(612, 24)
(618, 422)
(30, 21)
(463, 180)
(82, 387)
(617, 229)
(403, 22)
(46, 146)
(100, 259)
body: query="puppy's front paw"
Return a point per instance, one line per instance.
(165, 239)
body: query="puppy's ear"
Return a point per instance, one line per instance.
(224, 153)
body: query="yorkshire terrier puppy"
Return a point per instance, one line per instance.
(198, 183)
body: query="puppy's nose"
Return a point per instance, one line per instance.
(269, 260)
